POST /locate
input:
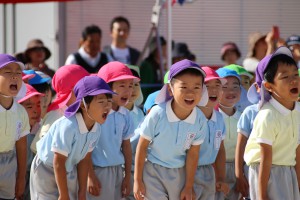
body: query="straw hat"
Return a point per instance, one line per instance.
(36, 44)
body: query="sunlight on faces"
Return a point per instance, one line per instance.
(286, 86)
(10, 79)
(245, 82)
(135, 93)
(231, 92)
(99, 108)
(214, 88)
(124, 89)
(33, 108)
(92, 44)
(186, 90)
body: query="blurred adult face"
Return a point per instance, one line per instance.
(92, 44)
(120, 32)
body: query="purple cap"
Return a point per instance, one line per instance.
(6, 59)
(87, 86)
(259, 76)
(175, 69)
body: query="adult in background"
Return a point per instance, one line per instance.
(88, 55)
(293, 43)
(119, 50)
(230, 53)
(35, 56)
(181, 51)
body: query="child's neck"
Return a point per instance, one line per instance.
(182, 114)
(207, 111)
(129, 105)
(6, 102)
(227, 110)
(89, 123)
(115, 107)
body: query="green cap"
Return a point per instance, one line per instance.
(166, 77)
(240, 70)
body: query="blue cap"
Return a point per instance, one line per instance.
(37, 79)
(150, 101)
(224, 73)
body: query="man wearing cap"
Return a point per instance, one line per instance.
(293, 43)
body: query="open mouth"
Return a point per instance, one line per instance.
(189, 101)
(13, 87)
(124, 99)
(104, 115)
(294, 91)
(230, 97)
(213, 98)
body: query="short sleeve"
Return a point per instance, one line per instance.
(147, 128)
(129, 127)
(264, 128)
(71, 60)
(62, 138)
(244, 124)
(25, 128)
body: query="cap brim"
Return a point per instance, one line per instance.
(223, 80)
(29, 96)
(43, 80)
(101, 91)
(125, 77)
(282, 50)
(22, 66)
(28, 76)
(246, 74)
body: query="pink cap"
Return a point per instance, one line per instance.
(30, 92)
(63, 83)
(116, 71)
(27, 76)
(212, 75)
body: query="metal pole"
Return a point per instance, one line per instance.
(13, 28)
(4, 28)
(169, 43)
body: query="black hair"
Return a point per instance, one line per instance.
(134, 73)
(42, 88)
(271, 69)
(89, 99)
(119, 19)
(190, 71)
(89, 30)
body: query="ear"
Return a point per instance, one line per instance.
(170, 90)
(82, 106)
(268, 86)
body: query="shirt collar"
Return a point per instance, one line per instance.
(12, 108)
(173, 118)
(121, 110)
(280, 108)
(135, 109)
(84, 54)
(82, 127)
(214, 116)
(236, 114)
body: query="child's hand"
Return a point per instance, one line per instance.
(126, 186)
(139, 190)
(93, 185)
(20, 188)
(222, 187)
(186, 194)
(242, 186)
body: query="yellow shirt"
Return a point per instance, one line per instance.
(231, 134)
(14, 124)
(47, 121)
(279, 127)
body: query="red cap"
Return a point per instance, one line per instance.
(212, 74)
(30, 92)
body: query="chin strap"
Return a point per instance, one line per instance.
(226, 106)
(6, 96)
(85, 106)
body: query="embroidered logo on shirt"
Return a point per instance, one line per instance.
(19, 130)
(188, 141)
(218, 139)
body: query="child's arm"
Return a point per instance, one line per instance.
(82, 173)
(60, 174)
(297, 167)
(242, 185)
(94, 185)
(264, 170)
(21, 151)
(126, 149)
(190, 168)
(220, 170)
(141, 152)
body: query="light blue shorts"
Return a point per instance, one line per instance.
(8, 169)
(205, 183)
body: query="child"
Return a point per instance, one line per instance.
(14, 126)
(60, 168)
(244, 128)
(137, 116)
(230, 96)
(32, 104)
(63, 86)
(173, 130)
(272, 150)
(113, 149)
(212, 149)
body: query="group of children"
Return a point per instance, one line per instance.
(206, 135)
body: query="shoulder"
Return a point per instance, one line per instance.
(107, 49)
(133, 50)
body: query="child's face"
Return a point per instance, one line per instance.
(135, 93)
(186, 91)
(124, 89)
(231, 92)
(33, 108)
(286, 86)
(10, 79)
(245, 82)
(99, 108)
(214, 88)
